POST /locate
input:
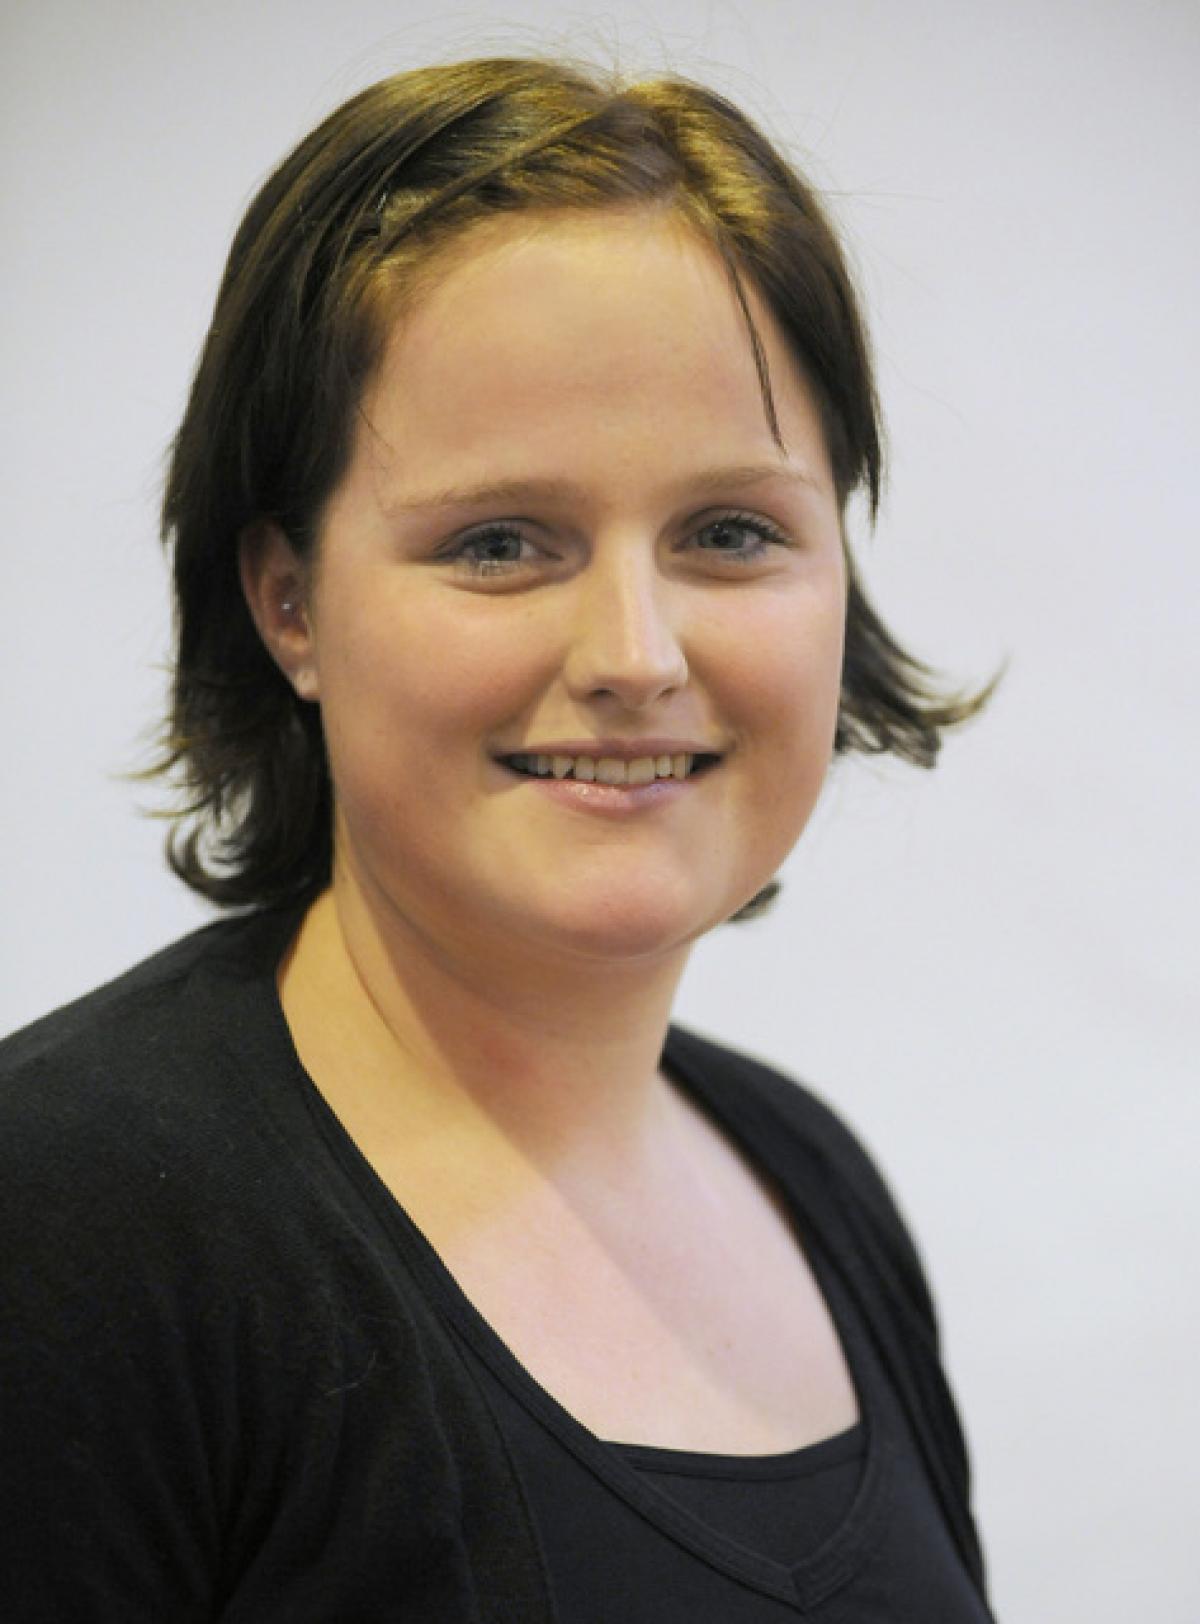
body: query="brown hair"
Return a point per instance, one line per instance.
(335, 244)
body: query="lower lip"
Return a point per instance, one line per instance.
(609, 800)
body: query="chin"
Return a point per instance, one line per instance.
(638, 925)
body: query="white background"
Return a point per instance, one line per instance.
(986, 968)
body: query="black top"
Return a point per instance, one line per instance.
(781, 1506)
(844, 1531)
(237, 1384)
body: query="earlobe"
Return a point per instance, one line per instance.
(275, 582)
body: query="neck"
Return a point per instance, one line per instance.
(559, 1059)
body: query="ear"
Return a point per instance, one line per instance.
(276, 584)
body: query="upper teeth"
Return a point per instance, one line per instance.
(606, 769)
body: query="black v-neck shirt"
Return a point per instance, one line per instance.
(846, 1531)
(238, 1385)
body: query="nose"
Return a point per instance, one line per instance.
(623, 641)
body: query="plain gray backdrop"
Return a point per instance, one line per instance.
(988, 969)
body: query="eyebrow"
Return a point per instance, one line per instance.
(506, 490)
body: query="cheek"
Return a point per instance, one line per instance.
(783, 668)
(415, 669)
(785, 683)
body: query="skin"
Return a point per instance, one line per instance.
(492, 968)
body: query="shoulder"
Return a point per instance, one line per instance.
(819, 1144)
(86, 1060)
(751, 1085)
(141, 1001)
(110, 1100)
(143, 1016)
(163, 1195)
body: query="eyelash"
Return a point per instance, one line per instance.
(768, 535)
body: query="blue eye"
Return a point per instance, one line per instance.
(731, 525)
(493, 551)
(497, 549)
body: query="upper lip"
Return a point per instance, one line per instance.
(620, 749)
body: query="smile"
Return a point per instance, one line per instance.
(609, 769)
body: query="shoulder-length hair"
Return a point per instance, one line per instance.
(338, 241)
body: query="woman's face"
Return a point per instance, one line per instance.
(618, 586)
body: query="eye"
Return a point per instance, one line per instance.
(502, 548)
(495, 550)
(728, 534)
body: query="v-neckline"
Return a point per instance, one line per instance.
(804, 1584)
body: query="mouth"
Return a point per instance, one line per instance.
(610, 770)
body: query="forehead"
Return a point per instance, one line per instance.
(615, 336)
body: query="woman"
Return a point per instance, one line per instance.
(382, 1251)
